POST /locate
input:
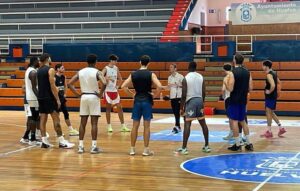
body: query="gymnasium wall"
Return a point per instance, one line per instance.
(129, 52)
(289, 28)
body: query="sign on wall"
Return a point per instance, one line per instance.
(265, 13)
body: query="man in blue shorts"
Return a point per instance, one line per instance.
(142, 81)
(239, 84)
(271, 94)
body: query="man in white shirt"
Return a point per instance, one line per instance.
(90, 100)
(111, 95)
(192, 106)
(175, 87)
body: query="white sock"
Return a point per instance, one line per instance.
(61, 139)
(269, 128)
(237, 141)
(81, 143)
(241, 135)
(248, 139)
(94, 144)
(70, 128)
(45, 140)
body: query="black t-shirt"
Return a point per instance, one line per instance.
(142, 83)
(60, 84)
(272, 95)
(241, 86)
(44, 88)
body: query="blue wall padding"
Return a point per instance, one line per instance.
(276, 50)
(127, 52)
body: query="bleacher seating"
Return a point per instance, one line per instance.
(289, 73)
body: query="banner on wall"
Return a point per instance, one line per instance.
(265, 13)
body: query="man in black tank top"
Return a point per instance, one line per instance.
(142, 81)
(239, 84)
(271, 94)
(49, 102)
(61, 84)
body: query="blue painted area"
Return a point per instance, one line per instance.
(127, 52)
(196, 136)
(188, 14)
(249, 167)
(276, 50)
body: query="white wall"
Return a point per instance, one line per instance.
(219, 17)
(201, 6)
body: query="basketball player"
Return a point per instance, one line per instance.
(239, 84)
(175, 87)
(49, 102)
(31, 93)
(61, 84)
(142, 81)
(192, 106)
(111, 95)
(271, 94)
(90, 100)
(226, 95)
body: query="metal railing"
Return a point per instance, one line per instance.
(244, 43)
(61, 13)
(63, 2)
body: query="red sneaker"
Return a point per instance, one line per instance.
(267, 134)
(281, 132)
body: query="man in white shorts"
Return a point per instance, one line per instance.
(90, 99)
(111, 95)
(32, 106)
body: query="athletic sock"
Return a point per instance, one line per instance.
(61, 139)
(94, 143)
(81, 143)
(26, 134)
(241, 135)
(237, 141)
(70, 128)
(45, 140)
(248, 139)
(270, 128)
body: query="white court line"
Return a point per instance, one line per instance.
(270, 177)
(15, 151)
(11, 152)
(10, 124)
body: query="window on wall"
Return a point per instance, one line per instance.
(227, 12)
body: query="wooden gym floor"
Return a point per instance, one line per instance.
(24, 167)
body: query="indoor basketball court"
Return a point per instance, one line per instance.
(109, 54)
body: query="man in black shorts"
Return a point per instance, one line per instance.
(49, 102)
(61, 84)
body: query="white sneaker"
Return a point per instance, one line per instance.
(132, 151)
(35, 143)
(80, 150)
(24, 141)
(95, 150)
(124, 128)
(66, 144)
(147, 152)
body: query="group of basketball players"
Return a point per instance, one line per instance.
(46, 94)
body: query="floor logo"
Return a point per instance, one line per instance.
(284, 168)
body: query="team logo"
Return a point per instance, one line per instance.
(283, 168)
(246, 12)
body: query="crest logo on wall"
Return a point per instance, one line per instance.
(246, 12)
